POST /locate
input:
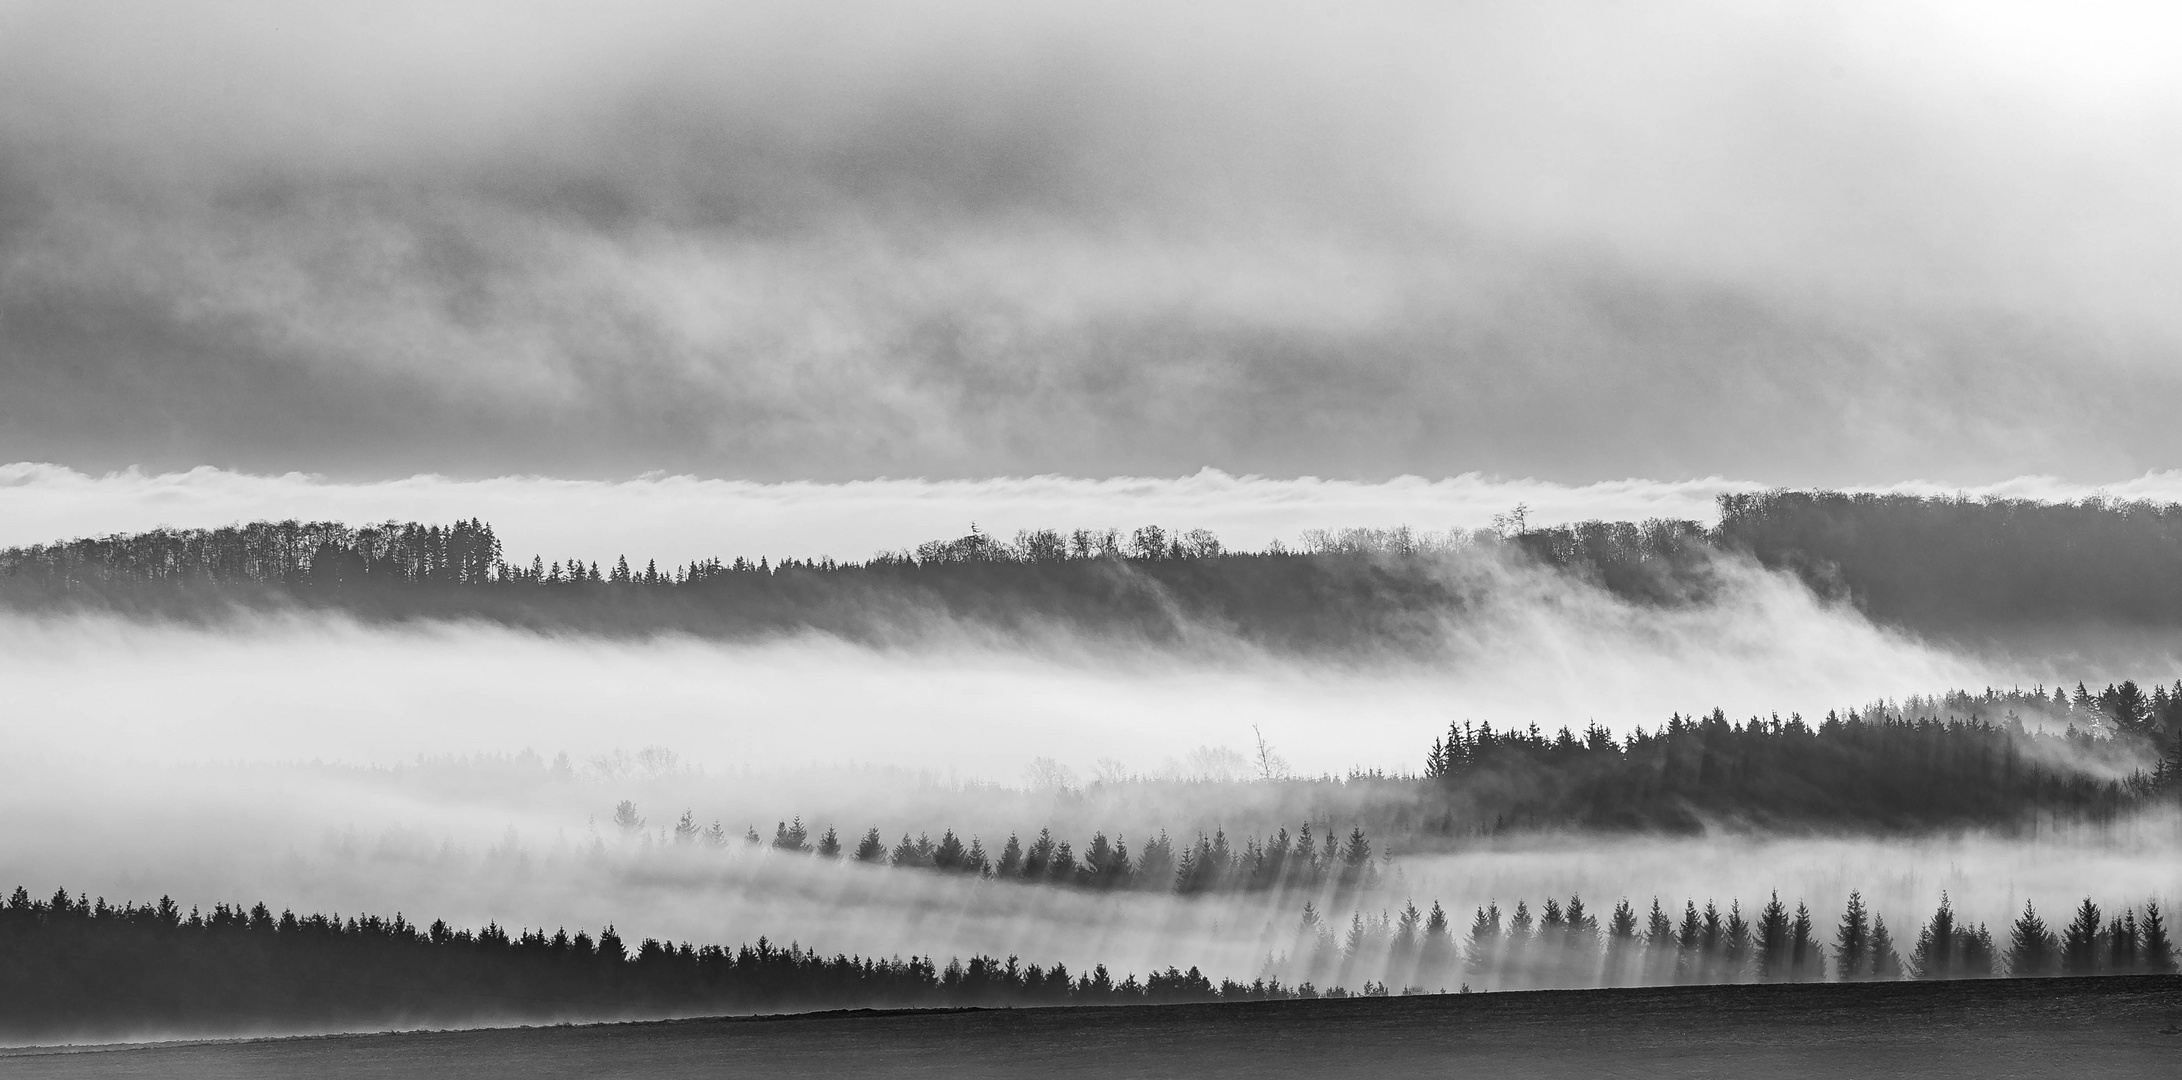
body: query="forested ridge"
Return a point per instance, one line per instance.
(1950, 566)
(1990, 759)
(1211, 864)
(1994, 759)
(74, 968)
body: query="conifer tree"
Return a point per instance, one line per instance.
(2121, 940)
(792, 837)
(1516, 952)
(1038, 858)
(1623, 946)
(1581, 943)
(2080, 941)
(829, 845)
(1772, 940)
(1659, 947)
(1688, 943)
(948, 854)
(1886, 964)
(1155, 868)
(1711, 945)
(1934, 957)
(1437, 949)
(1735, 954)
(2032, 948)
(1974, 953)
(1402, 949)
(1482, 952)
(2153, 945)
(1803, 958)
(907, 854)
(1852, 941)
(1011, 859)
(872, 849)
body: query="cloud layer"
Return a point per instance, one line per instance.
(781, 241)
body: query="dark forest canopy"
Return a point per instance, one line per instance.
(1298, 862)
(1997, 759)
(1872, 768)
(1945, 566)
(76, 968)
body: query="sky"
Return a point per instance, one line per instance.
(1835, 243)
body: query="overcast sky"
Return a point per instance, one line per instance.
(1795, 243)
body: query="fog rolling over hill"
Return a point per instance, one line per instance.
(1085, 748)
(534, 514)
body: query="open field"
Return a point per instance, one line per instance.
(2129, 1026)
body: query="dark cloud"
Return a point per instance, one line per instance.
(830, 241)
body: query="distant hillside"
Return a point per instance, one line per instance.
(1939, 566)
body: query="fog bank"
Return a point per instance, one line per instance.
(477, 848)
(1533, 647)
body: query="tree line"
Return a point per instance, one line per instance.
(74, 968)
(1560, 945)
(1879, 766)
(1210, 864)
(1937, 565)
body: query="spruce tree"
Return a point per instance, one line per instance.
(1516, 958)
(1712, 946)
(906, 854)
(2121, 940)
(1623, 947)
(1934, 957)
(1582, 943)
(1659, 947)
(791, 837)
(829, 845)
(1482, 952)
(872, 849)
(2031, 947)
(2080, 941)
(1886, 964)
(1852, 941)
(1735, 954)
(1772, 940)
(2153, 946)
(1803, 958)
(1974, 950)
(1038, 860)
(949, 853)
(1688, 939)
(1437, 948)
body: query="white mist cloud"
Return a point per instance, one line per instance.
(1530, 648)
(520, 846)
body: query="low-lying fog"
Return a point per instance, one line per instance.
(528, 844)
(317, 763)
(1536, 651)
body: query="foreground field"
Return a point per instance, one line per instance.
(2128, 1026)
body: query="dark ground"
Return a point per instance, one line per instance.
(2003, 1028)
